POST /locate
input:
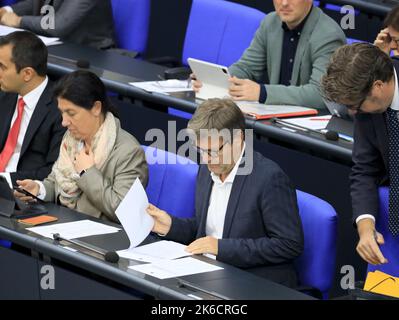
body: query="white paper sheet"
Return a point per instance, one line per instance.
(175, 268)
(129, 254)
(156, 251)
(313, 123)
(48, 41)
(76, 229)
(165, 86)
(132, 214)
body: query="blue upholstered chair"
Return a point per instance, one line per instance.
(7, 2)
(218, 31)
(316, 266)
(131, 19)
(390, 249)
(5, 243)
(172, 179)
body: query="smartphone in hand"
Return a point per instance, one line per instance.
(27, 193)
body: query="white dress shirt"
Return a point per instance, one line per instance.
(31, 99)
(219, 200)
(394, 106)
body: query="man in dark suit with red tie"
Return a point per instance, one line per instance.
(365, 79)
(30, 125)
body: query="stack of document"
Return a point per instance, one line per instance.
(260, 111)
(312, 123)
(159, 257)
(4, 30)
(75, 229)
(165, 86)
(175, 268)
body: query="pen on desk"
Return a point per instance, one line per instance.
(346, 138)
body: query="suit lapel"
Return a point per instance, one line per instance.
(38, 116)
(7, 110)
(207, 189)
(275, 48)
(304, 43)
(236, 189)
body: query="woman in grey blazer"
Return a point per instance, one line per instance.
(98, 160)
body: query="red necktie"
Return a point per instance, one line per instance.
(12, 138)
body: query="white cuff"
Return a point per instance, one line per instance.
(365, 216)
(42, 190)
(8, 9)
(8, 178)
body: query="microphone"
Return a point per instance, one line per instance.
(110, 256)
(84, 64)
(329, 134)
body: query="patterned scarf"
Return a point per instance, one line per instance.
(64, 171)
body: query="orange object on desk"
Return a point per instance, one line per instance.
(35, 221)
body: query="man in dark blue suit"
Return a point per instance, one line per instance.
(365, 79)
(246, 208)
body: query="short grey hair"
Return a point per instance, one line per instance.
(216, 114)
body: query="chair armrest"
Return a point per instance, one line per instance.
(314, 292)
(181, 73)
(124, 52)
(171, 62)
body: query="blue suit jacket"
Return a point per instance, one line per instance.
(262, 229)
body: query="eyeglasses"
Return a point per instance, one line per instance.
(390, 39)
(210, 153)
(357, 107)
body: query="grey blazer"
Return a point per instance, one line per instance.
(104, 189)
(88, 22)
(320, 37)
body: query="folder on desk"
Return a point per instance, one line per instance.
(382, 283)
(259, 111)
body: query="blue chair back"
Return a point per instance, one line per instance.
(390, 249)
(5, 243)
(316, 266)
(219, 31)
(7, 2)
(131, 19)
(172, 181)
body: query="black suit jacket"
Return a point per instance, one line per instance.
(262, 229)
(43, 137)
(370, 161)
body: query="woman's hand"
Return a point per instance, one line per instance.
(84, 160)
(30, 186)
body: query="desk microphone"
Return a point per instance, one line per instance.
(83, 64)
(329, 134)
(110, 256)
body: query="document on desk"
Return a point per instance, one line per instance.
(313, 123)
(156, 251)
(175, 268)
(48, 41)
(75, 229)
(260, 111)
(165, 86)
(132, 214)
